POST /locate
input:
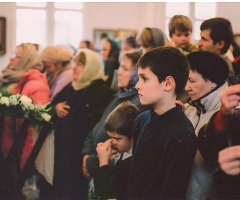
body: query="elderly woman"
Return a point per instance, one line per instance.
(207, 79)
(56, 60)
(79, 106)
(23, 76)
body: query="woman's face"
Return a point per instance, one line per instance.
(77, 70)
(106, 48)
(125, 72)
(16, 58)
(51, 68)
(197, 87)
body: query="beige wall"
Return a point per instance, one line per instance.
(115, 16)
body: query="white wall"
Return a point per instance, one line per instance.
(115, 16)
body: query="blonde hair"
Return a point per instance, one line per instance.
(180, 23)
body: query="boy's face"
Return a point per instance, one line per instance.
(150, 91)
(120, 142)
(181, 39)
(206, 43)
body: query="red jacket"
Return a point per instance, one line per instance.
(33, 84)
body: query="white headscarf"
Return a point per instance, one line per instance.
(93, 69)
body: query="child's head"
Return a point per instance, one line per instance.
(163, 69)
(180, 30)
(119, 126)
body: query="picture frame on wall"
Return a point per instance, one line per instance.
(98, 35)
(2, 35)
(116, 34)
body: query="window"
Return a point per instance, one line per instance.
(197, 12)
(49, 23)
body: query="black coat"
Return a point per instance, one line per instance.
(111, 181)
(210, 143)
(164, 150)
(86, 107)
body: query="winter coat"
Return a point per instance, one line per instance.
(210, 143)
(34, 85)
(86, 107)
(201, 185)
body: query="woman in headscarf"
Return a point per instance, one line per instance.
(23, 76)
(150, 38)
(110, 54)
(79, 106)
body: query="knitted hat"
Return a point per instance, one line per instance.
(61, 53)
(209, 65)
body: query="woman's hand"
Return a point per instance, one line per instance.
(62, 109)
(229, 160)
(84, 167)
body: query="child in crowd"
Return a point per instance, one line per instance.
(111, 181)
(180, 32)
(165, 143)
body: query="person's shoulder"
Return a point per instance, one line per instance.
(142, 117)
(184, 125)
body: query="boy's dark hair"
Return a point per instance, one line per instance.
(179, 23)
(211, 66)
(121, 119)
(167, 61)
(221, 29)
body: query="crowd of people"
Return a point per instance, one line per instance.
(151, 118)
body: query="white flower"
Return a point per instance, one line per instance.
(46, 117)
(26, 101)
(4, 101)
(13, 99)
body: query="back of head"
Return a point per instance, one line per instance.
(151, 37)
(121, 119)
(211, 66)
(57, 54)
(93, 68)
(221, 30)
(167, 61)
(179, 23)
(131, 41)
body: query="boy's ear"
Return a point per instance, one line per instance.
(169, 83)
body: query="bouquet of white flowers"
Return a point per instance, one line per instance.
(22, 106)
